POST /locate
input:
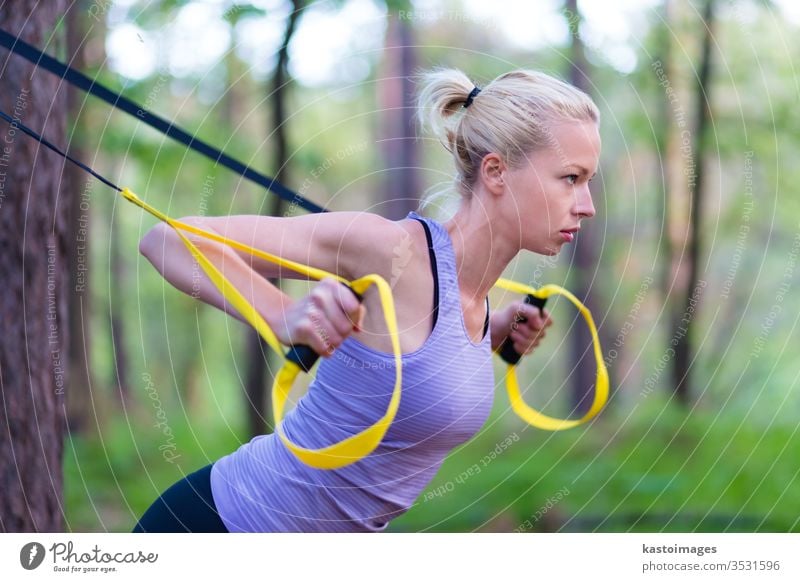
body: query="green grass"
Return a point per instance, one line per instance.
(659, 470)
(112, 477)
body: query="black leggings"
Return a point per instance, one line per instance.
(187, 506)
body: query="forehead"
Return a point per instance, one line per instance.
(574, 142)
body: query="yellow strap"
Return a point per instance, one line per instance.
(350, 449)
(519, 406)
(363, 443)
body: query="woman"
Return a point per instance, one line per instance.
(525, 148)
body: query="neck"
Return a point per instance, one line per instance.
(482, 249)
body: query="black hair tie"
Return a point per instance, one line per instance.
(471, 96)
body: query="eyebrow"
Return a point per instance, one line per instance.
(581, 170)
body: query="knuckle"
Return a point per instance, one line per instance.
(316, 298)
(314, 314)
(322, 349)
(346, 327)
(304, 328)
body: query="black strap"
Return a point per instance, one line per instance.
(434, 269)
(45, 142)
(486, 323)
(92, 87)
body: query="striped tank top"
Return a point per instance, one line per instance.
(448, 390)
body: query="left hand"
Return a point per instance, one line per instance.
(525, 336)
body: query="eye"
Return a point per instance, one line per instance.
(571, 179)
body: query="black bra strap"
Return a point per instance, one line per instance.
(435, 270)
(486, 323)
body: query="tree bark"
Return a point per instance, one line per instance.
(116, 311)
(584, 258)
(398, 136)
(682, 322)
(34, 263)
(664, 139)
(79, 295)
(258, 354)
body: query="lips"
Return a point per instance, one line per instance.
(569, 234)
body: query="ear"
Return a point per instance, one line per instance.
(492, 173)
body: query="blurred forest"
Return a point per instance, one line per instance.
(689, 267)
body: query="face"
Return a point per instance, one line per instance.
(550, 191)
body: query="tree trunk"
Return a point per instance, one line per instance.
(584, 258)
(116, 311)
(682, 322)
(79, 296)
(258, 353)
(34, 265)
(664, 139)
(398, 136)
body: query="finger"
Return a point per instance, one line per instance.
(531, 314)
(527, 333)
(520, 311)
(521, 340)
(523, 348)
(530, 346)
(323, 337)
(306, 333)
(536, 321)
(328, 299)
(348, 303)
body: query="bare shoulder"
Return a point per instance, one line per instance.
(348, 243)
(380, 246)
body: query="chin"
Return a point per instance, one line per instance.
(547, 250)
(545, 247)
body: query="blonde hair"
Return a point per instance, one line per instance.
(511, 116)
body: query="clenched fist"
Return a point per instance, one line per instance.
(525, 336)
(322, 319)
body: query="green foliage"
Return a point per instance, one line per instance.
(657, 470)
(728, 463)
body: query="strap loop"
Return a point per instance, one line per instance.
(523, 410)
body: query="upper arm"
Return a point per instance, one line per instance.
(348, 244)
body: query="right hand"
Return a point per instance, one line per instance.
(322, 319)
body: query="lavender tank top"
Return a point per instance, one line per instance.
(448, 390)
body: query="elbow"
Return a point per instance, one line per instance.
(156, 240)
(153, 239)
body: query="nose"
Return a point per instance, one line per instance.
(584, 207)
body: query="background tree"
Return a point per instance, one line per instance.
(401, 182)
(258, 351)
(79, 224)
(34, 270)
(584, 257)
(683, 318)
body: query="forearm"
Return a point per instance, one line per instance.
(166, 251)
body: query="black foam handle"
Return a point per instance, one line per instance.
(303, 355)
(507, 351)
